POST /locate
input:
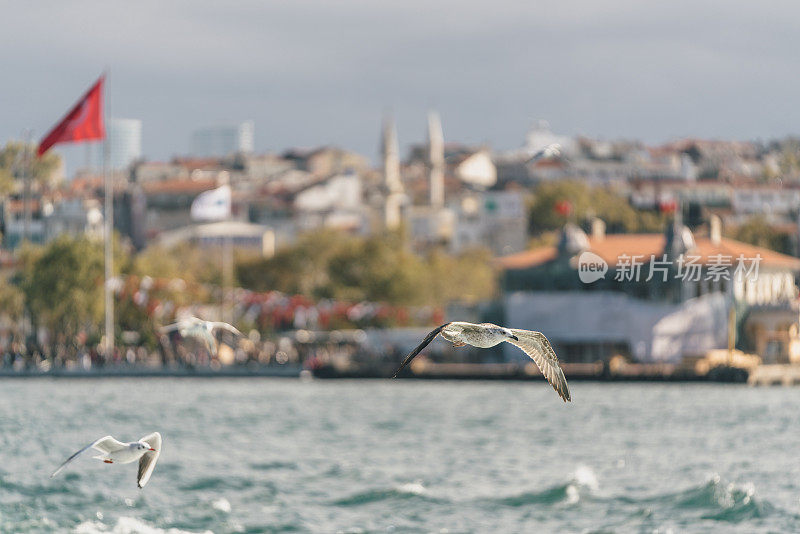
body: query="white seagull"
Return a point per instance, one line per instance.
(486, 335)
(146, 450)
(549, 151)
(202, 330)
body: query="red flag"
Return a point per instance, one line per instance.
(84, 122)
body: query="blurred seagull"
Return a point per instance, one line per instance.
(146, 450)
(202, 330)
(549, 151)
(486, 335)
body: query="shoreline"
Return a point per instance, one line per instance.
(327, 374)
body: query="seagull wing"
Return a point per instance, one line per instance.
(425, 343)
(550, 151)
(105, 444)
(225, 326)
(169, 328)
(536, 345)
(210, 341)
(148, 461)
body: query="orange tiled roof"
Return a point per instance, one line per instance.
(529, 258)
(179, 186)
(733, 248)
(18, 206)
(612, 246)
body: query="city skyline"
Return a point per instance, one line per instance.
(316, 74)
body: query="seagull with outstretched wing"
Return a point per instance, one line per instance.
(548, 152)
(486, 335)
(112, 451)
(202, 330)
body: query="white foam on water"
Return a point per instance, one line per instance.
(222, 504)
(584, 476)
(413, 487)
(129, 525)
(573, 495)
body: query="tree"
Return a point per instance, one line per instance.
(759, 232)
(12, 300)
(63, 285)
(587, 202)
(378, 268)
(15, 163)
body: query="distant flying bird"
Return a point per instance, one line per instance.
(550, 151)
(146, 450)
(486, 335)
(202, 330)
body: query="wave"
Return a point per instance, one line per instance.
(414, 490)
(129, 525)
(582, 484)
(209, 483)
(721, 501)
(61, 485)
(714, 500)
(269, 466)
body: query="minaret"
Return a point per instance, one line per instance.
(391, 174)
(436, 159)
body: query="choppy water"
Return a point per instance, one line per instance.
(260, 455)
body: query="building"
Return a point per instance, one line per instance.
(496, 220)
(254, 238)
(221, 141)
(168, 203)
(334, 202)
(324, 161)
(124, 142)
(766, 200)
(76, 217)
(652, 297)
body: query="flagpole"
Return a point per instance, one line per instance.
(109, 229)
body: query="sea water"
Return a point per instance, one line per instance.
(278, 455)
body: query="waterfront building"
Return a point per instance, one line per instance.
(588, 295)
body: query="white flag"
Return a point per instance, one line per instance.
(214, 205)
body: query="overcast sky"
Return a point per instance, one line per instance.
(324, 71)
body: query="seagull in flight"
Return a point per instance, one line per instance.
(202, 330)
(486, 335)
(146, 450)
(549, 151)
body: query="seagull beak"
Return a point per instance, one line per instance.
(515, 338)
(152, 449)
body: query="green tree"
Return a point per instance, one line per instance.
(15, 163)
(63, 285)
(299, 269)
(185, 261)
(378, 268)
(12, 300)
(587, 202)
(759, 232)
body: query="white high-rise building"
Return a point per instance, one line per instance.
(124, 142)
(220, 141)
